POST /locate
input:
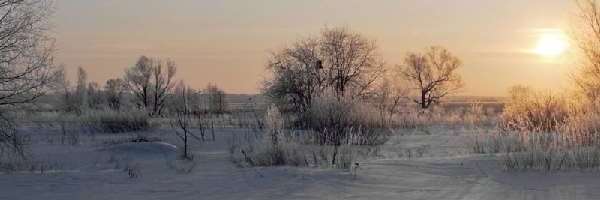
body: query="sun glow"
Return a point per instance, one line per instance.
(551, 44)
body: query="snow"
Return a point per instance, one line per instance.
(445, 171)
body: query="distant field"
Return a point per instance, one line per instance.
(249, 101)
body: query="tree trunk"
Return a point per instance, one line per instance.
(333, 157)
(185, 145)
(423, 100)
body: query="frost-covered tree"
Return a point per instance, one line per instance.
(338, 61)
(114, 90)
(432, 74)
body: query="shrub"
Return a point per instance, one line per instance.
(279, 146)
(545, 132)
(551, 159)
(115, 122)
(503, 142)
(275, 148)
(534, 111)
(536, 151)
(334, 120)
(11, 140)
(583, 126)
(252, 150)
(133, 170)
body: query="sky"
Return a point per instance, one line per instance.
(227, 42)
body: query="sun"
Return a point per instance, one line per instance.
(551, 44)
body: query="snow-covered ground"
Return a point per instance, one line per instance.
(439, 167)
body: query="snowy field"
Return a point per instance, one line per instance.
(439, 167)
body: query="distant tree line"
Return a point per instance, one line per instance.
(149, 85)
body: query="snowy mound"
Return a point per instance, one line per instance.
(144, 150)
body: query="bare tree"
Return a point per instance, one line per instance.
(389, 96)
(95, 97)
(350, 61)
(217, 103)
(163, 84)
(26, 63)
(81, 93)
(182, 123)
(138, 79)
(26, 68)
(150, 84)
(63, 87)
(432, 74)
(114, 89)
(587, 36)
(11, 143)
(339, 61)
(297, 77)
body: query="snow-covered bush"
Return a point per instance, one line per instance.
(276, 145)
(545, 132)
(528, 110)
(273, 148)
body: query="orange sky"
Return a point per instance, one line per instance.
(227, 41)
